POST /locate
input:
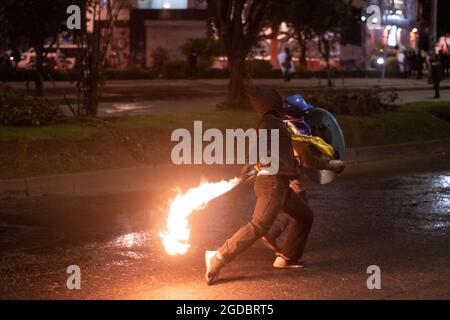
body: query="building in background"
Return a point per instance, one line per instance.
(145, 25)
(269, 49)
(398, 28)
(164, 23)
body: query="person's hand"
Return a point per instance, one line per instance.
(249, 172)
(246, 168)
(336, 165)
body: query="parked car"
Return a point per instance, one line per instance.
(62, 58)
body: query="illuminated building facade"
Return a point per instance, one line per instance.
(398, 28)
(148, 24)
(145, 25)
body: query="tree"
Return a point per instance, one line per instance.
(297, 14)
(329, 17)
(92, 51)
(37, 23)
(3, 37)
(238, 24)
(204, 48)
(321, 20)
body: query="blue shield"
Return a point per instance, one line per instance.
(324, 125)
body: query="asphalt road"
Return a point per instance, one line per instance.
(394, 215)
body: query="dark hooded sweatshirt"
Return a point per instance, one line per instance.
(268, 103)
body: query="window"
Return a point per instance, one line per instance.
(162, 4)
(399, 4)
(398, 7)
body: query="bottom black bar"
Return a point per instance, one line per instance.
(207, 309)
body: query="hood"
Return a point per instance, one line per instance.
(266, 100)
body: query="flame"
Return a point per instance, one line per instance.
(177, 235)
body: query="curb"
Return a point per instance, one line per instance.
(168, 176)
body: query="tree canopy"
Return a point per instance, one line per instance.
(238, 24)
(33, 24)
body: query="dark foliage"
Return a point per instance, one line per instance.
(353, 102)
(18, 109)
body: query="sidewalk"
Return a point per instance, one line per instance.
(169, 176)
(159, 89)
(143, 96)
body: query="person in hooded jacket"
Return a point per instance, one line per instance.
(295, 110)
(273, 195)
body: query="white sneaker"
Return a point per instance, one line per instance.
(336, 165)
(213, 266)
(282, 263)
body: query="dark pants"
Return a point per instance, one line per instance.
(273, 195)
(436, 85)
(278, 233)
(287, 76)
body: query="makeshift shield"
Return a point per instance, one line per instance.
(324, 125)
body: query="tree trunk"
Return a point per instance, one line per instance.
(91, 96)
(91, 99)
(330, 82)
(38, 80)
(91, 102)
(325, 51)
(327, 58)
(236, 89)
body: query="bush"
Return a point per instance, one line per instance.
(17, 109)
(175, 70)
(259, 68)
(160, 57)
(351, 101)
(204, 48)
(210, 73)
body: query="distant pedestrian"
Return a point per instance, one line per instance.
(420, 62)
(413, 59)
(288, 72)
(401, 57)
(445, 62)
(407, 64)
(436, 73)
(446, 65)
(192, 64)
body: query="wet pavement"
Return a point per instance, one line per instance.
(394, 216)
